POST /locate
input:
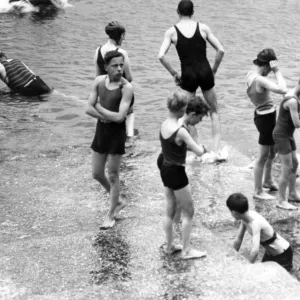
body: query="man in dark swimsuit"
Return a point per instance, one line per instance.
(190, 37)
(20, 79)
(109, 103)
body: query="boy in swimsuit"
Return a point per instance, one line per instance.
(175, 140)
(277, 248)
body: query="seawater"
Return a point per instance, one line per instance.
(59, 46)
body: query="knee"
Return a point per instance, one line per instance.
(98, 175)
(188, 210)
(272, 153)
(261, 160)
(113, 176)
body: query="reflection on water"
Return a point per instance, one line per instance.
(114, 257)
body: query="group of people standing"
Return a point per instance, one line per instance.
(111, 102)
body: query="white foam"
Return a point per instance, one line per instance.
(24, 6)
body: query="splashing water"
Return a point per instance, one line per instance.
(25, 6)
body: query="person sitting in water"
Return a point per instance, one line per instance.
(259, 88)
(116, 34)
(19, 78)
(283, 134)
(277, 248)
(175, 140)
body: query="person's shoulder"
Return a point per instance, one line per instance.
(99, 78)
(170, 30)
(125, 83)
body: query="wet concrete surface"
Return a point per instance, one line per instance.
(52, 248)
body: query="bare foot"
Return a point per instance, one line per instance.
(121, 204)
(193, 253)
(108, 223)
(173, 249)
(285, 205)
(263, 196)
(272, 186)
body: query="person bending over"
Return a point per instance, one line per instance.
(175, 140)
(277, 248)
(283, 134)
(259, 88)
(109, 103)
(20, 79)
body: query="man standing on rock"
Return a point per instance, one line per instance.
(109, 103)
(189, 38)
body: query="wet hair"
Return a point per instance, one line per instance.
(198, 106)
(110, 55)
(114, 30)
(185, 8)
(177, 100)
(237, 202)
(264, 57)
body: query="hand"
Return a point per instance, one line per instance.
(177, 79)
(274, 65)
(204, 149)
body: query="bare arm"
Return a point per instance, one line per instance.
(95, 62)
(215, 43)
(118, 117)
(255, 242)
(191, 144)
(2, 73)
(292, 105)
(240, 236)
(127, 68)
(279, 87)
(164, 48)
(90, 109)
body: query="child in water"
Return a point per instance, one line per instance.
(277, 248)
(175, 140)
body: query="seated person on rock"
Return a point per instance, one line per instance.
(20, 79)
(277, 248)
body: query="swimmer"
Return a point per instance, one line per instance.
(109, 103)
(20, 79)
(259, 88)
(277, 248)
(283, 134)
(116, 33)
(189, 38)
(175, 140)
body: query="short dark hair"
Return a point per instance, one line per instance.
(237, 202)
(110, 55)
(198, 106)
(185, 8)
(264, 57)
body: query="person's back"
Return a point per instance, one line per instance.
(17, 75)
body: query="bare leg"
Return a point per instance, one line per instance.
(258, 173)
(113, 168)
(268, 180)
(211, 98)
(98, 169)
(185, 199)
(168, 223)
(287, 167)
(293, 196)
